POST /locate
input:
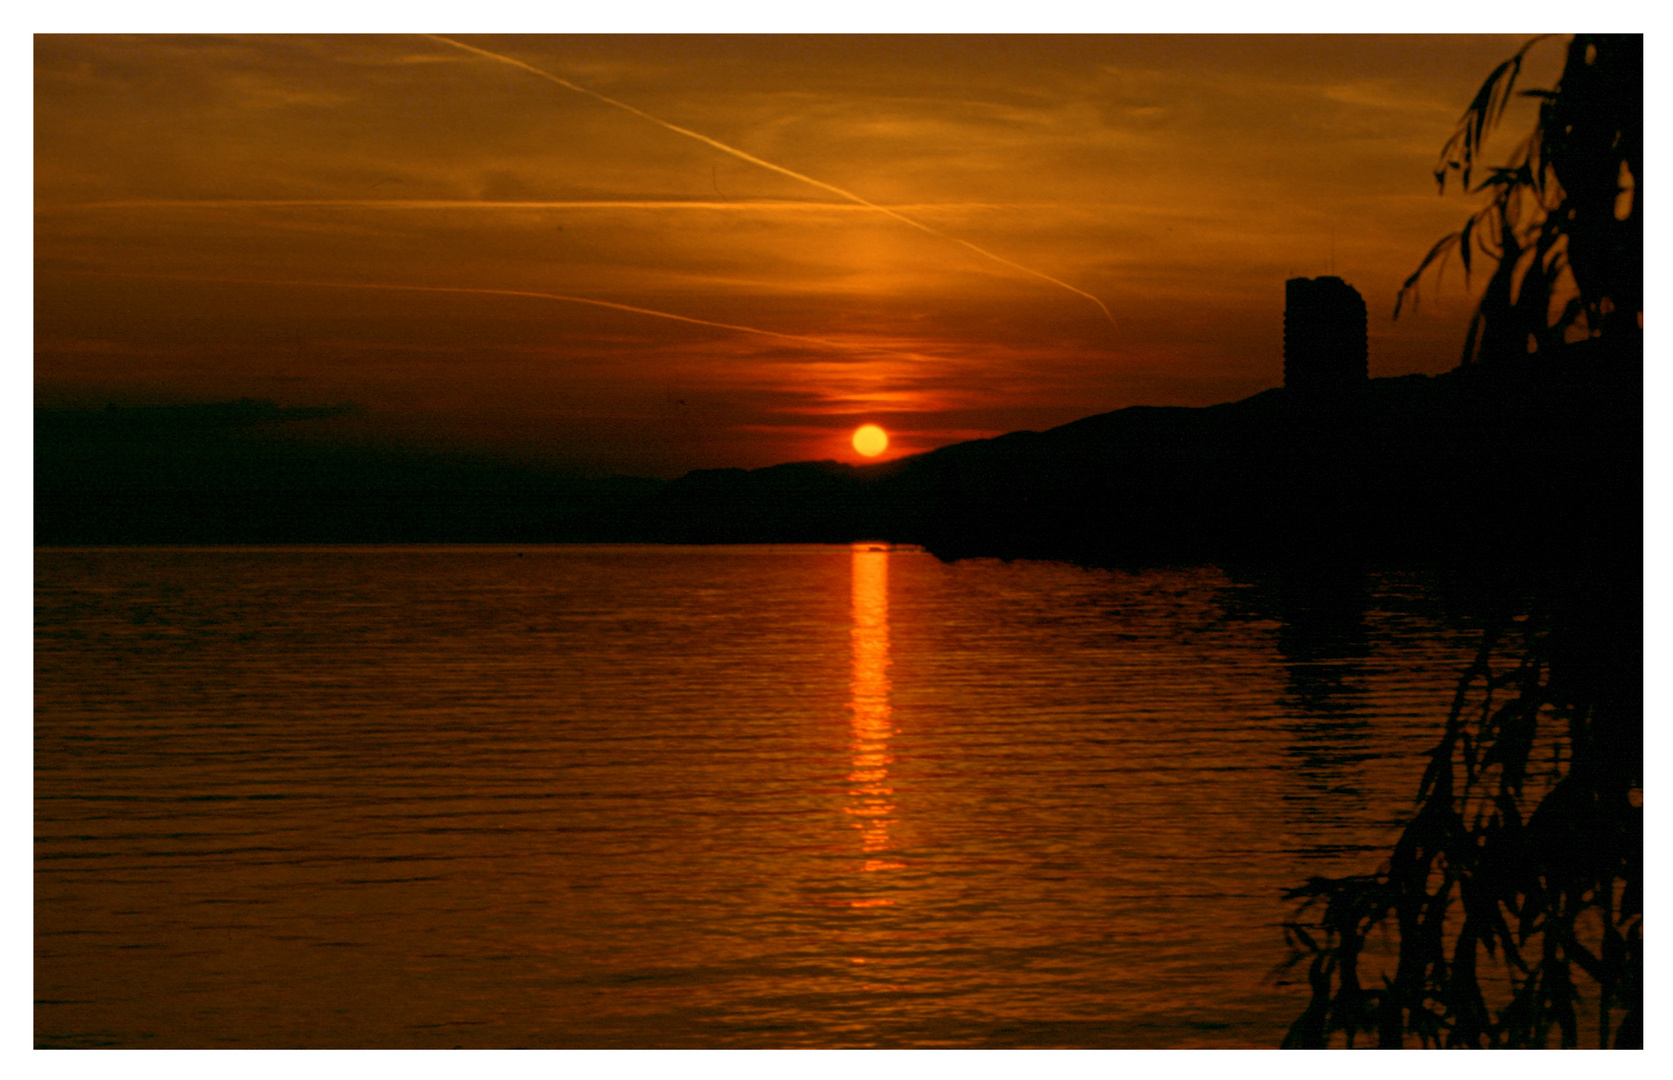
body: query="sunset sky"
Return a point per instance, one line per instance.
(717, 251)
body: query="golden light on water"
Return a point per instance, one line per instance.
(1013, 851)
(871, 440)
(870, 796)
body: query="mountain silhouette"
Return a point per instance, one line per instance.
(1408, 469)
(1414, 468)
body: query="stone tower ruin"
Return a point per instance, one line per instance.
(1324, 336)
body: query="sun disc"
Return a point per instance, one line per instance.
(871, 440)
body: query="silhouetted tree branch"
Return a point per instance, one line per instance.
(1524, 855)
(1563, 220)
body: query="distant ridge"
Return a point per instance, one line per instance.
(241, 473)
(1414, 468)
(1410, 469)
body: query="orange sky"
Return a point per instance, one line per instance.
(437, 235)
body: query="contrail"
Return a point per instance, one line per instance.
(825, 342)
(753, 160)
(453, 204)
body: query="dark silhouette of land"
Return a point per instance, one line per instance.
(1414, 469)
(252, 472)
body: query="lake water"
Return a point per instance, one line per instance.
(697, 797)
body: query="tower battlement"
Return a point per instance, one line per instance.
(1324, 335)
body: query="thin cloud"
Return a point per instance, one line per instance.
(453, 204)
(735, 205)
(752, 159)
(468, 290)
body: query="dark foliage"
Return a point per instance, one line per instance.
(1563, 223)
(1525, 850)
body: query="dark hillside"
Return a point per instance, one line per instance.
(243, 473)
(1407, 469)
(1413, 468)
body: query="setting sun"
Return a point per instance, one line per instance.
(871, 440)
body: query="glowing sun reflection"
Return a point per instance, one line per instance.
(869, 791)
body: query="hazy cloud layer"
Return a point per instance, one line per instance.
(397, 222)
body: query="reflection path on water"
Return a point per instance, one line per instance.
(625, 796)
(869, 795)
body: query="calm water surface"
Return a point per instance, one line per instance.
(686, 797)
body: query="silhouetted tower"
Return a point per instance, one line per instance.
(1324, 335)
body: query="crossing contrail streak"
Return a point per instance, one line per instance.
(764, 205)
(526, 293)
(529, 294)
(753, 160)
